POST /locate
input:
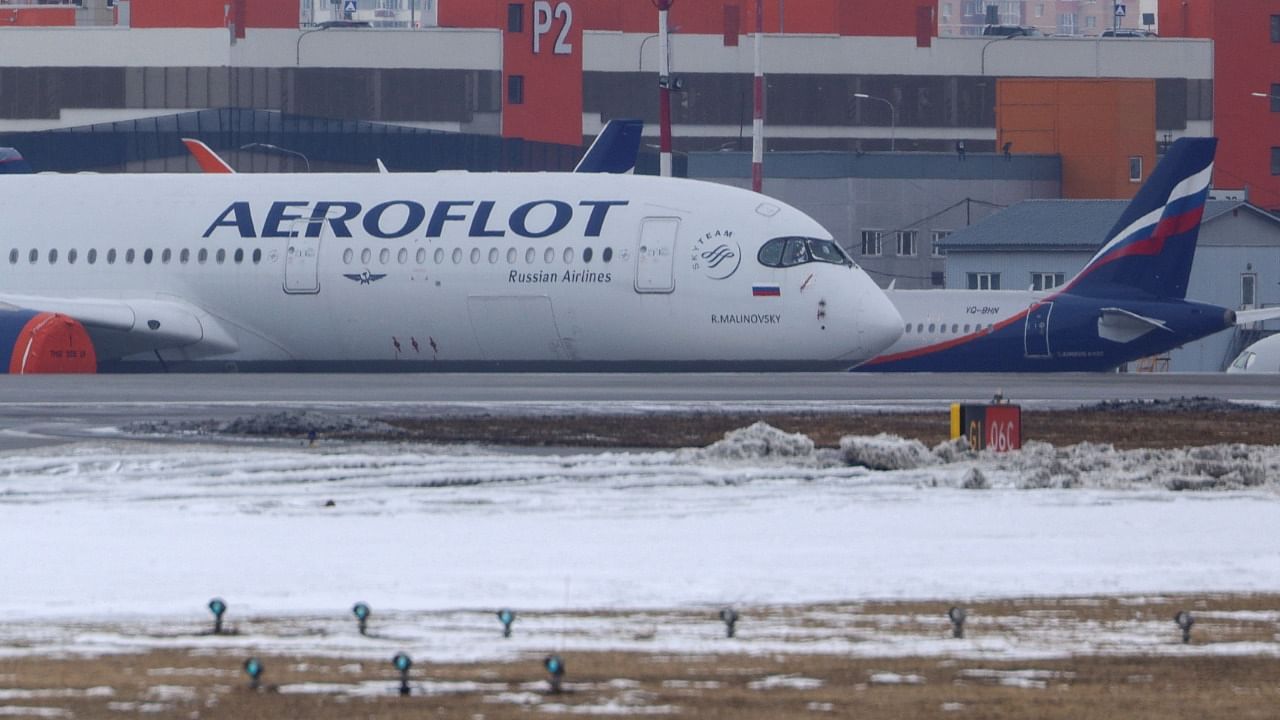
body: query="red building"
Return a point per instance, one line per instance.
(1246, 35)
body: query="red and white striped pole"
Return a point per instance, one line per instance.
(664, 86)
(757, 125)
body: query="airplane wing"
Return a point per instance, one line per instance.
(1120, 325)
(1245, 317)
(123, 327)
(206, 158)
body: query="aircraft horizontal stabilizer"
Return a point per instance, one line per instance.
(1122, 326)
(1246, 317)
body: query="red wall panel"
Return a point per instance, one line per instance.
(38, 17)
(706, 17)
(170, 14)
(271, 13)
(552, 107)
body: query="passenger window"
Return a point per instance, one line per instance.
(475, 255)
(239, 255)
(13, 256)
(586, 255)
(771, 254)
(920, 327)
(512, 256)
(222, 256)
(403, 256)
(439, 256)
(53, 257)
(568, 256)
(166, 256)
(184, 256)
(931, 327)
(147, 256)
(129, 255)
(365, 256)
(384, 256)
(457, 256)
(93, 255)
(348, 255)
(422, 256)
(33, 256)
(202, 257)
(257, 256)
(908, 327)
(607, 255)
(111, 257)
(71, 256)
(966, 327)
(549, 256)
(493, 256)
(955, 329)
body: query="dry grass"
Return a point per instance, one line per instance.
(198, 683)
(1124, 429)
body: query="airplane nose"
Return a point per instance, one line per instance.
(881, 320)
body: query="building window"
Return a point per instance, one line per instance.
(515, 17)
(1275, 161)
(1248, 290)
(871, 240)
(1275, 97)
(1039, 10)
(938, 237)
(946, 12)
(1275, 28)
(1135, 169)
(984, 281)
(907, 243)
(515, 90)
(1091, 21)
(938, 278)
(1046, 280)
(1067, 24)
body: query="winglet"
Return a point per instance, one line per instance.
(206, 158)
(614, 150)
(382, 168)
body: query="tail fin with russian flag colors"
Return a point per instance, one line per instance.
(1150, 249)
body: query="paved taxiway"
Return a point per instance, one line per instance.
(71, 405)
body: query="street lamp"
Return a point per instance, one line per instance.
(893, 117)
(276, 148)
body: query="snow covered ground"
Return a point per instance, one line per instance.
(114, 544)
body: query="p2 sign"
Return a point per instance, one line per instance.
(544, 21)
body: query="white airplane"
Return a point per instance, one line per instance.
(1262, 356)
(449, 270)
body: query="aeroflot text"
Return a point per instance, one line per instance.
(401, 218)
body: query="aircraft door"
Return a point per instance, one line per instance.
(302, 260)
(1036, 336)
(655, 260)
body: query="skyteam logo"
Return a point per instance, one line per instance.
(717, 254)
(364, 278)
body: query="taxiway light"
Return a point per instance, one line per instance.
(217, 607)
(253, 668)
(729, 617)
(1185, 621)
(361, 611)
(506, 617)
(957, 616)
(403, 663)
(555, 671)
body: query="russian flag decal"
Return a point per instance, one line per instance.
(766, 291)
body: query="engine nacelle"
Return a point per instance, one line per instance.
(43, 342)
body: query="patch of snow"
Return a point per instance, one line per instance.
(171, 693)
(885, 452)
(608, 708)
(785, 682)
(1030, 679)
(952, 707)
(24, 711)
(820, 707)
(889, 678)
(760, 441)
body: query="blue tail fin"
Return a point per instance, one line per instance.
(1150, 249)
(614, 150)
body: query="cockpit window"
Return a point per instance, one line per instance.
(789, 252)
(1244, 361)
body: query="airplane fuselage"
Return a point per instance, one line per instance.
(1016, 331)
(438, 269)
